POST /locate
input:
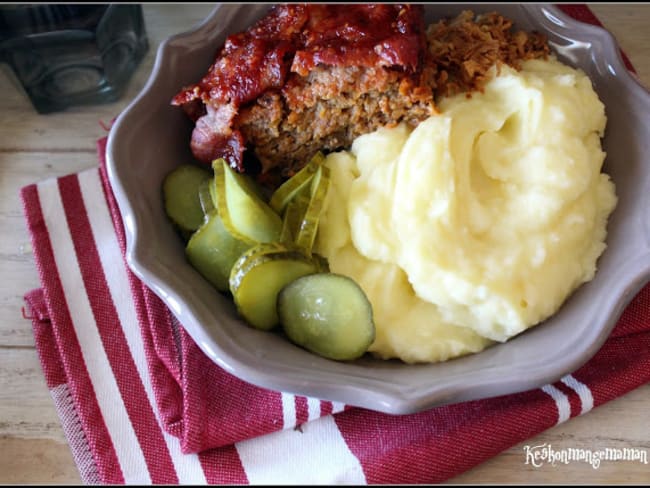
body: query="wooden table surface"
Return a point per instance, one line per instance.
(33, 448)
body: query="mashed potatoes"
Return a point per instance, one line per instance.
(480, 222)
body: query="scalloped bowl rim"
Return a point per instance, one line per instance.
(536, 357)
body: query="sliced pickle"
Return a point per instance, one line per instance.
(213, 192)
(293, 216)
(205, 198)
(243, 211)
(309, 225)
(328, 314)
(258, 276)
(181, 196)
(212, 251)
(290, 188)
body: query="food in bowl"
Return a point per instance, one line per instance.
(312, 77)
(478, 223)
(477, 217)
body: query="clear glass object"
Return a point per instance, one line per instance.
(72, 54)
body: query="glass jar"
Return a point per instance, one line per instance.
(69, 54)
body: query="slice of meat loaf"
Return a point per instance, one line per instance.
(311, 77)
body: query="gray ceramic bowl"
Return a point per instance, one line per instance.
(151, 137)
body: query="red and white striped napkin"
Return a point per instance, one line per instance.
(140, 403)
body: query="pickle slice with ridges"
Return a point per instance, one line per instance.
(258, 276)
(213, 251)
(309, 225)
(294, 185)
(243, 212)
(293, 216)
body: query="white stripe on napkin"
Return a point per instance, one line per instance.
(288, 410)
(313, 408)
(315, 454)
(583, 391)
(337, 407)
(128, 451)
(561, 402)
(187, 466)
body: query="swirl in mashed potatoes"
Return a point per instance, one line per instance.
(480, 222)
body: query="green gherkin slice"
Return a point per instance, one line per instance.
(181, 196)
(212, 251)
(294, 214)
(258, 276)
(328, 314)
(309, 226)
(205, 198)
(243, 211)
(294, 185)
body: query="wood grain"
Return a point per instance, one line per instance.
(34, 147)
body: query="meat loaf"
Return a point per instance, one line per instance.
(313, 77)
